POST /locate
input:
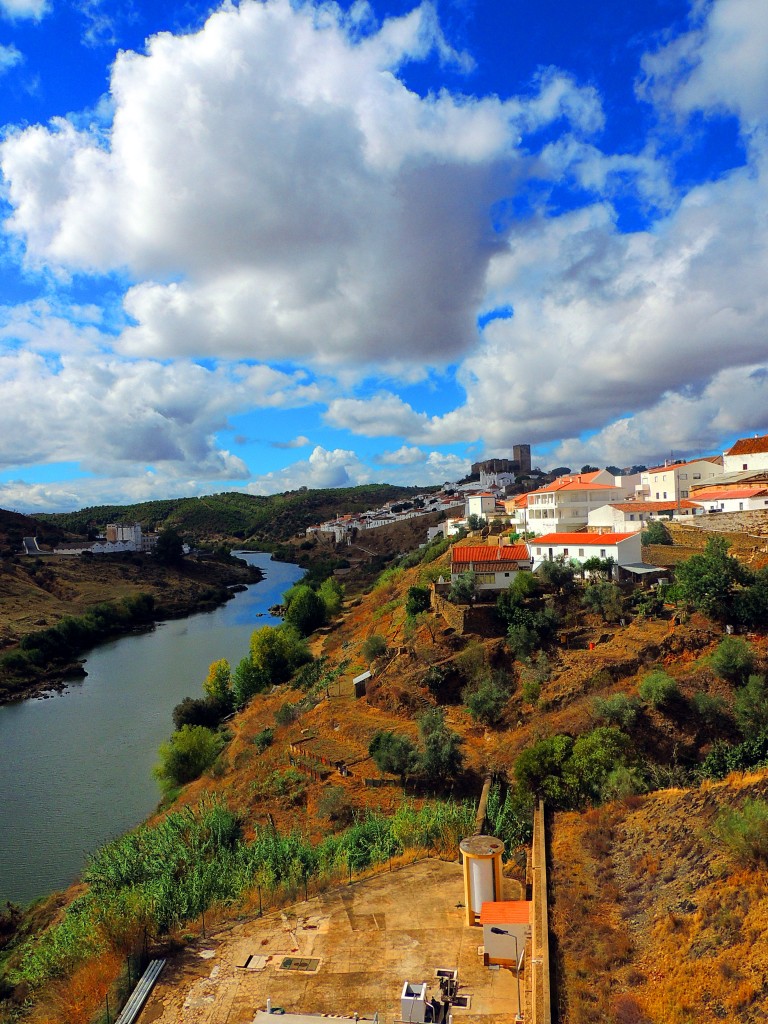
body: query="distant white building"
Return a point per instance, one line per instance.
(748, 453)
(629, 516)
(565, 504)
(673, 481)
(733, 499)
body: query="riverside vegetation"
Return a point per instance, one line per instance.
(665, 701)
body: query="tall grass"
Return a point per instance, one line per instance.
(160, 876)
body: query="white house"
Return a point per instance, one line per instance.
(628, 516)
(482, 505)
(623, 548)
(565, 504)
(673, 481)
(733, 499)
(494, 565)
(748, 453)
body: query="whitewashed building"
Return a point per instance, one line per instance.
(733, 499)
(748, 453)
(673, 481)
(623, 548)
(494, 565)
(565, 504)
(629, 516)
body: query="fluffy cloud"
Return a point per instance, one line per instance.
(10, 56)
(274, 188)
(18, 10)
(113, 415)
(323, 468)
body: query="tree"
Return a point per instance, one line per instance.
(277, 651)
(186, 755)
(594, 757)
(218, 682)
(374, 647)
(589, 469)
(463, 588)
(751, 707)
(331, 593)
(394, 753)
(658, 689)
(199, 711)
(708, 581)
(417, 601)
(734, 659)
(617, 709)
(169, 549)
(602, 568)
(541, 770)
(603, 599)
(305, 609)
(486, 701)
(558, 575)
(441, 758)
(655, 533)
(476, 522)
(247, 680)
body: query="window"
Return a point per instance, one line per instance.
(683, 494)
(581, 550)
(665, 495)
(538, 551)
(632, 517)
(744, 465)
(683, 476)
(506, 574)
(565, 552)
(697, 476)
(657, 495)
(602, 552)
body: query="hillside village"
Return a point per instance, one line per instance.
(536, 634)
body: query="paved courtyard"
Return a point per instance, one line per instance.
(362, 942)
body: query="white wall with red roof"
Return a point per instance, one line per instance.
(623, 548)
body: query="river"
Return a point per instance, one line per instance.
(76, 768)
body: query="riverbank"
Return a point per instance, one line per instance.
(37, 594)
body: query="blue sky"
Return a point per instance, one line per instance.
(264, 245)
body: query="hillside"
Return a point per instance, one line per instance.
(654, 918)
(233, 515)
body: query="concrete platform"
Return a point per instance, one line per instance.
(368, 937)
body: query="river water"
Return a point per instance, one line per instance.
(76, 768)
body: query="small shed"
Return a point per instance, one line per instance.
(506, 929)
(360, 682)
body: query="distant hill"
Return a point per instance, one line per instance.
(234, 515)
(14, 527)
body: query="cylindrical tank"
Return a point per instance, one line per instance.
(482, 873)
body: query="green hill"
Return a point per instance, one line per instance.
(234, 515)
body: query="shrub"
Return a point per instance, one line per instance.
(218, 682)
(203, 711)
(331, 593)
(486, 701)
(394, 753)
(751, 707)
(531, 691)
(603, 598)
(334, 806)
(441, 759)
(734, 659)
(712, 710)
(655, 533)
(658, 689)
(287, 713)
(278, 651)
(374, 647)
(186, 755)
(745, 832)
(305, 610)
(463, 588)
(618, 709)
(247, 680)
(417, 600)
(263, 739)
(725, 758)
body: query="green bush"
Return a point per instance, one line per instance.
(441, 759)
(724, 758)
(712, 710)
(203, 711)
(745, 833)
(374, 647)
(394, 753)
(263, 739)
(734, 659)
(751, 707)
(658, 689)
(305, 610)
(287, 714)
(186, 755)
(487, 699)
(417, 600)
(618, 709)
(655, 533)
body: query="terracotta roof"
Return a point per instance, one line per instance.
(573, 483)
(580, 539)
(506, 912)
(721, 493)
(749, 446)
(714, 459)
(466, 553)
(652, 506)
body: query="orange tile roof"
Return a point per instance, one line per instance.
(466, 553)
(652, 506)
(749, 446)
(720, 493)
(571, 483)
(506, 912)
(557, 539)
(714, 459)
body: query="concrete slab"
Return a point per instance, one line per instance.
(370, 937)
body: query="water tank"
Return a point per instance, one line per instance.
(482, 873)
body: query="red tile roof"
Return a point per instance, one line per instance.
(714, 459)
(466, 553)
(580, 539)
(749, 446)
(721, 493)
(652, 506)
(573, 483)
(506, 912)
